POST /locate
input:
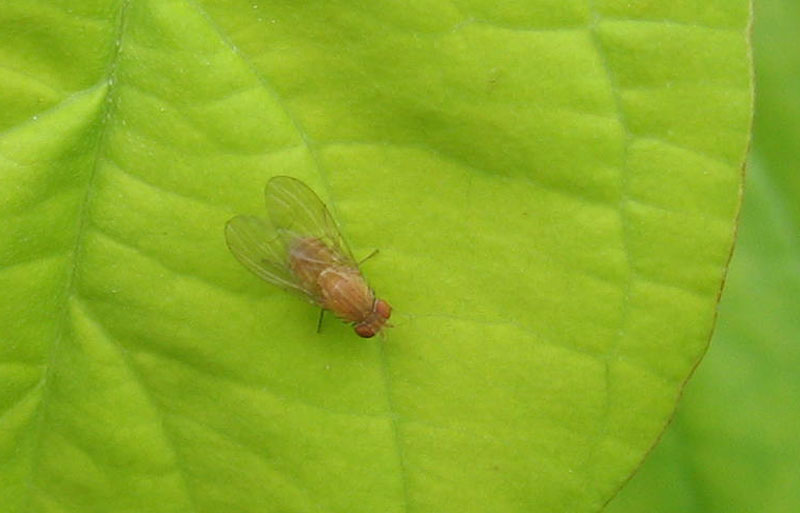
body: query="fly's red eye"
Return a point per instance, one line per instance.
(364, 331)
(383, 309)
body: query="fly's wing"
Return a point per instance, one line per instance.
(255, 243)
(297, 212)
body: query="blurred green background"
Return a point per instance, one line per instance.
(733, 445)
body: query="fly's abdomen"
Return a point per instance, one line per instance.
(308, 258)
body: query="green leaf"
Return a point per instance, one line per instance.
(733, 446)
(553, 187)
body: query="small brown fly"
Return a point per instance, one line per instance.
(300, 249)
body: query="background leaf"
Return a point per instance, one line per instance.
(733, 445)
(553, 186)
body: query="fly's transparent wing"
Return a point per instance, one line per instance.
(297, 212)
(256, 244)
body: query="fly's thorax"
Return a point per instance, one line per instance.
(345, 293)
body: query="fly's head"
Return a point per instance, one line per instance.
(375, 321)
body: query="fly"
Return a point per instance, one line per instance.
(300, 249)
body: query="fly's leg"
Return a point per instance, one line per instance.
(374, 252)
(319, 322)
